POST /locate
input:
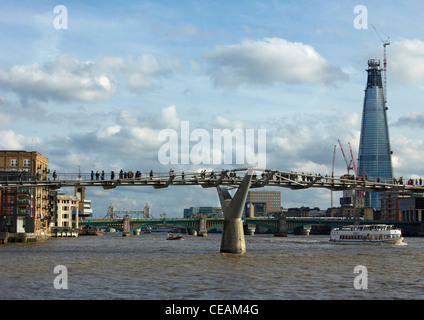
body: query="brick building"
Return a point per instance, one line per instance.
(24, 209)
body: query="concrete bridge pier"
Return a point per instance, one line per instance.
(126, 226)
(249, 229)
(232, 240)
(203, 232)
(136, 232)
(282, 228)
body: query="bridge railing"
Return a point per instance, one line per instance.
(260, 178)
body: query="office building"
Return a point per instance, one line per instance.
(211, 212)
(411, 208)
(375, 163)
(262, 203)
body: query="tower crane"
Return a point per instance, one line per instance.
(348, 164)
(353, 160)
(332, 172)
(385, 44)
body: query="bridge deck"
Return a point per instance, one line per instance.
(232, 178)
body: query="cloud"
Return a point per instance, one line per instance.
(407, 157)
(63, 79)
(9, 140)
(305, 139)
(269, 61)
(410, 120)
(67, 79)
(130, 141)
(406, 60)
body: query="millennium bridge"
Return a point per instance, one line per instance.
(240, 180)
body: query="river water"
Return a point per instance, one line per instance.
(149, 267)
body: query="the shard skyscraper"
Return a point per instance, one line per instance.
(375, 162)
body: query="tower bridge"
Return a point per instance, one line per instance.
(240, 180)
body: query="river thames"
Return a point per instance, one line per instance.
(149, 267)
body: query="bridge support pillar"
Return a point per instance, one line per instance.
(203, 232)
(249, 229)
(126, 226)
(232, 240)
(282, 228)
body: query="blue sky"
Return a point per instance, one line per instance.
(96, 95)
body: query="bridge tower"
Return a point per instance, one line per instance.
(146, 210)
(111, 212)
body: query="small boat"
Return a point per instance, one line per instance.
(377, 233)
(172, 236)
(91, 231)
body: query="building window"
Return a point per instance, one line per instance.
(27, 162)
(14, 162)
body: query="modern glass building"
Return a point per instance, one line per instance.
(375, 162)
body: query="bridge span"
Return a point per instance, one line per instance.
(226, 177)
(280, 226)
(240, 180)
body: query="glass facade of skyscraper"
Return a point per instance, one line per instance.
(375, 162)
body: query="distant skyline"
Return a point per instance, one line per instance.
(96, 95)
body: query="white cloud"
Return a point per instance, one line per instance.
(108, 133)
(67, 79)
(268, 61)
(63, 79)
(169, 118)
(407, 157)
(406, 60)
(9, 140)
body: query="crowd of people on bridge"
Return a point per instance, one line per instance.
(260, 174)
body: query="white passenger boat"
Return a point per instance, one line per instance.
(371, 233)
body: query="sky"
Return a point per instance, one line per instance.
(93, 86)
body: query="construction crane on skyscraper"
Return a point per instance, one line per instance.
(385, 44)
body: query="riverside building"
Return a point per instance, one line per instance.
(24, 209)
